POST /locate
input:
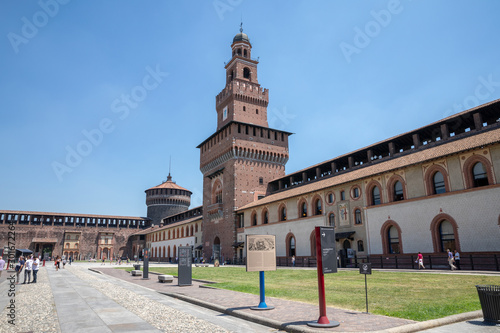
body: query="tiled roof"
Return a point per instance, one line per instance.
(470, 142)
(169, 184)
(156, 228)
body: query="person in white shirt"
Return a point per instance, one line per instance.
(28, 266)
(2, 265)
(36, 264)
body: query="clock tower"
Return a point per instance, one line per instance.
(242, 156)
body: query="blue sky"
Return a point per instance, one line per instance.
(126, 85)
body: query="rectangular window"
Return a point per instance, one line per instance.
(342, 195)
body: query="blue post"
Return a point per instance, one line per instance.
(262, 304)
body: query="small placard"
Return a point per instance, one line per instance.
(365, 268)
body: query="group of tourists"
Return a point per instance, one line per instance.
(30, 264)
(453, 260)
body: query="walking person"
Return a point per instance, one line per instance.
(28, 266)
(451, 260)
(293, 261)
(19, 268)
(36, 266)
(57, 263)
(2, 265)
(457, 259)
(420, 259)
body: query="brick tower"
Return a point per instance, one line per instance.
(242, 156)
(166, 199)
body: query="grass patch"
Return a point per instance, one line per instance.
(415, 296)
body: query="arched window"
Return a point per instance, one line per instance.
(438, 184)
(282, 213)
(318, 208)
(329, 198)
(291, 246)
(254, 218)
(393, 237)
(376, 196)
(361, 247)
(246, 73)
(357, 216)
(355, 192)
(479, 175)
(398, 191)
(245, 53)
(265, 217)
(478, 171)
(331, 220)
(303, 209)
(446, 236)
(217, 192)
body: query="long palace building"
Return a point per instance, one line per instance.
(427, 190)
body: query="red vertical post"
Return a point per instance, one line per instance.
(321, 281)
(323, 321)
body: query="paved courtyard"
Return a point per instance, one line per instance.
(104, 299)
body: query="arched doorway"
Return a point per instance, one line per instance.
(105, 253)
(216, 249)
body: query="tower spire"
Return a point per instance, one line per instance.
(169, 178)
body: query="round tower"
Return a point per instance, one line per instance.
(166, 199)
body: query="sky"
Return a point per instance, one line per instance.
(97, 97)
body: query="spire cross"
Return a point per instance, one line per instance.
(241, 26)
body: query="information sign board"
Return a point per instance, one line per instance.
(184, 267)
(328, 253)
(261, 253)
(365, 268)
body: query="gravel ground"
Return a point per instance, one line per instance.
(35, 308)
(159, 315)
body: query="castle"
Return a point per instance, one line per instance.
(426, 190)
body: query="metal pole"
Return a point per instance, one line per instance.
(262, 305)
(262, 286)
(366, 293)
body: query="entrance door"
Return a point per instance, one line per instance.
(47, 251)
(216, 249)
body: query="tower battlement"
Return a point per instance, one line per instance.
(245, 90)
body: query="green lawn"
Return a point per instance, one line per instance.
(415, 296)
